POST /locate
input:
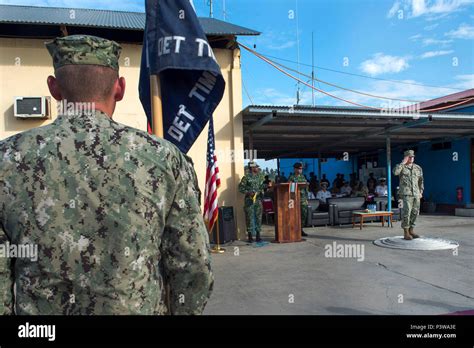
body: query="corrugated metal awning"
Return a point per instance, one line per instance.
(303, 131)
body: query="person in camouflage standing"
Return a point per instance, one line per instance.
(113, 210)
(252, 186)
(299, 178)
(410, 191)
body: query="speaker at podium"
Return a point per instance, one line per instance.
(288, 214)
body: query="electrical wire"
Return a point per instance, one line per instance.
(344, 88)
(340, 87)
(364, 76)
(334, 96)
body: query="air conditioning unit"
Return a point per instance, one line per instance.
(32, 107)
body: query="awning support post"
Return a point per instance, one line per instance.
(319, 165)
(389, 175)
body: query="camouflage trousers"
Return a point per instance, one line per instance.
(304, 214)
(253, 217)
(410, 210)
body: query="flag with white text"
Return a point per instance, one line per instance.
(176, 49)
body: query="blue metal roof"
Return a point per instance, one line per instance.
(102, 19)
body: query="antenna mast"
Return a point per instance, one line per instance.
(298, 54)
(312, 65)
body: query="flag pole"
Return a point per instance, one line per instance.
(217, 249)
(157, 127)
(156, 106)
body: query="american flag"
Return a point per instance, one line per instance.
(212, 181)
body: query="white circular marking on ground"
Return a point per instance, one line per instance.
(422, 243)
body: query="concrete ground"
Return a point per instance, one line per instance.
(297, 278)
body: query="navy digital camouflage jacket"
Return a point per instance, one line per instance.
(114, 214)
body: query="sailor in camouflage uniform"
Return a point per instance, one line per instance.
(113, 210)
(410, 191)
(299, 178)
(252, 185)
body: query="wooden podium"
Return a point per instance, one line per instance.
(288, 214)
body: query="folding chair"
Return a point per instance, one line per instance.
(267, 204)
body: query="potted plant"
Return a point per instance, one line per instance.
(429, 205)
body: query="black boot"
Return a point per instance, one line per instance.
(303, 233)
(258, 237)
(250, 239)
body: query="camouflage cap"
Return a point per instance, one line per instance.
(84, 50)
(252, 164)
(298, 165)
(409, 153)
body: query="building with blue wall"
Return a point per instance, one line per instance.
(448, 163)
(330, 167)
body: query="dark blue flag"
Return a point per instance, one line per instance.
(176, 49)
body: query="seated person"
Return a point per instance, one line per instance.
(338, 181)
(313, 183)
(324, 179)
(361, 190)
(322, 196)
(371, 182)
(355, 186)
(267, 181)
(346, 190)
(311, 195)
(381, 190)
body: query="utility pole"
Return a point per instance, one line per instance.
(298, 54)
(312, 66)
(223, 10)
(210, 9)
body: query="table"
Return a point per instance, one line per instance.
(381, 214)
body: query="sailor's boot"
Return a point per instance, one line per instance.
(413, 234)
(250, 239)
(407, 235)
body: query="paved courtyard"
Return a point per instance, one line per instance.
(298, 278)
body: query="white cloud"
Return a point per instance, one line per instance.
(282, 45)
(431, 54)
(431, 27)
(397, 91)
(431, 9)
(381, 64)
(276, 40)
(465, 81)
(395, 7)
(273, 96)
(415, 37)
(430, 41)
(411, 91)
(464, 31)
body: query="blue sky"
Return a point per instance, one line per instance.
(414, 42)
(427, 42)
